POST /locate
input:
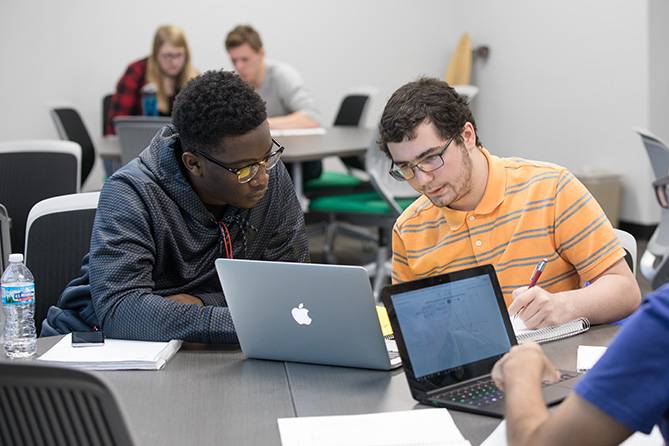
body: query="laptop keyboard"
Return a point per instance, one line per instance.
(483, 392)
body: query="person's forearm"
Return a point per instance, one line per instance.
(150, 317)
(292, 121)
(609, 298)
(525, 409)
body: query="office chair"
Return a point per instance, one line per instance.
(136, 132)
(58, 235)
(628, 242)
(5, 244)
(654, 263)
(31, 171)
(351, 113)
(378, 208)
(71, 127)
(58, 406)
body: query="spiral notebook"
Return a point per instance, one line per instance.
(548, 334)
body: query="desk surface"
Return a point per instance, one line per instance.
(337, 141)
(210, 396)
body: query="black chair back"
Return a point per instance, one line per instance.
(58, 236)
(27, 177)
(350, 110)
(5, 244)
(349, 115)
(106, 120)
(58, 406)
(72, 128)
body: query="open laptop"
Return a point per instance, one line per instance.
(450, 331)
(306, 312)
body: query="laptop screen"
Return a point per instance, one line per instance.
(452, 327)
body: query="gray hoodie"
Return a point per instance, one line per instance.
(153, 237)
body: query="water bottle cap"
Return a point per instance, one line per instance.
(149, 88)
(16, 258)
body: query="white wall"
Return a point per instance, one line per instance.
(565, 82)
(74, 51)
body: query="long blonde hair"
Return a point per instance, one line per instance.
(174, 36)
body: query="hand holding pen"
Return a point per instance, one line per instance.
(533, 280)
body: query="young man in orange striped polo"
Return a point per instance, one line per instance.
(477, 208)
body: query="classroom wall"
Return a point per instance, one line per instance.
(567, 80)
(74, 51)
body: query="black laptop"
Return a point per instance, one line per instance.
(450, 330)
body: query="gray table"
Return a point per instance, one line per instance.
(214, 396)
(320, 390)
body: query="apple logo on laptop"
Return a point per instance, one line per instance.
(301, 315)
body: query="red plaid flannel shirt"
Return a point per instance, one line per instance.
(127, 101)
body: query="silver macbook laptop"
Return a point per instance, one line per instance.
(306, 312)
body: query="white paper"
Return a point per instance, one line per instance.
(115, 354)
(498, 438)
(421, 427)
(587, 356)
(298, 132)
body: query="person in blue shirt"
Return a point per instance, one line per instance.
(626, 391)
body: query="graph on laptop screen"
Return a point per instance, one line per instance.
(451, 324)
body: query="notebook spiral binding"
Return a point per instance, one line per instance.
(554, 333)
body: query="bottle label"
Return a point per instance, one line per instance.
(24, 294)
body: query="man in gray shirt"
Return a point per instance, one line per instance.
(289, 104)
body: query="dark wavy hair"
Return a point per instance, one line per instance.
(426, 99)
(214, 105)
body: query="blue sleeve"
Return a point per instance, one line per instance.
(631, 381)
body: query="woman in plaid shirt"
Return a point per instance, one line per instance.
(168, 68)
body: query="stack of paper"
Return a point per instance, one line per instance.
(115, 354)
(423, 427)
(298, 132)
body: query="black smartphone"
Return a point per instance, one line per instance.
(87, 338)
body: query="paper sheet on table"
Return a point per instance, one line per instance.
(587, 356)
(298, 132)
(421, 427)
(498, 438)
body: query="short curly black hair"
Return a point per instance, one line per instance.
(214, 105)
(426, 99)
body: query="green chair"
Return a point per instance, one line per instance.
(379, 208)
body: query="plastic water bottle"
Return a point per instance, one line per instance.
(149, 100)
(18, 303)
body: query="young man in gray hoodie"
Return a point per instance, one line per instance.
(211, 185)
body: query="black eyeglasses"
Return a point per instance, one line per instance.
(661, 186)
(248, 172)
(428, 164)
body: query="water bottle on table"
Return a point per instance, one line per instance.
(18, 305)
(149, 100)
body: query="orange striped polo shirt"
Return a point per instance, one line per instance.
(529, 211)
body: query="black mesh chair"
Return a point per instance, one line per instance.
(58, 406)
(58, 235)
(71, 127)
(31, 171)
